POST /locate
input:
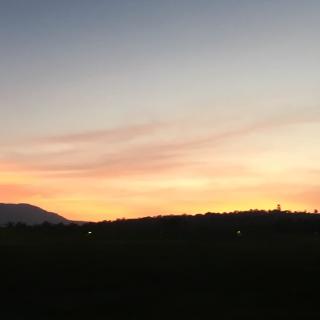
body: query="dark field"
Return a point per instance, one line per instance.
(164, 268)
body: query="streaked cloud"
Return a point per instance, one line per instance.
(150, 167)
(136, 149)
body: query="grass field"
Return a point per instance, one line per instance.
(269, 276)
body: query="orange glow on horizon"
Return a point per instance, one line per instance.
(158, 176)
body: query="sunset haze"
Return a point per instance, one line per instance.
(113, 109)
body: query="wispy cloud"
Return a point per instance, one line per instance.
(114, 135)
(140, 149)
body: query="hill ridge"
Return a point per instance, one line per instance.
(28, 214)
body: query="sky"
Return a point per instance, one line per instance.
(122, 108)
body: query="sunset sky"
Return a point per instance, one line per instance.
(128, 108)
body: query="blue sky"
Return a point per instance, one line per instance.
(90, 82)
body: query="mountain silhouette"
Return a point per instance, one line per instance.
(28, 214)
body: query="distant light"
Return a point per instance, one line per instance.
(239, 234)
(89, 232)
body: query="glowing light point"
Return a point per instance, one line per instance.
(239, 234)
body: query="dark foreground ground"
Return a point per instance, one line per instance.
(266, 273)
